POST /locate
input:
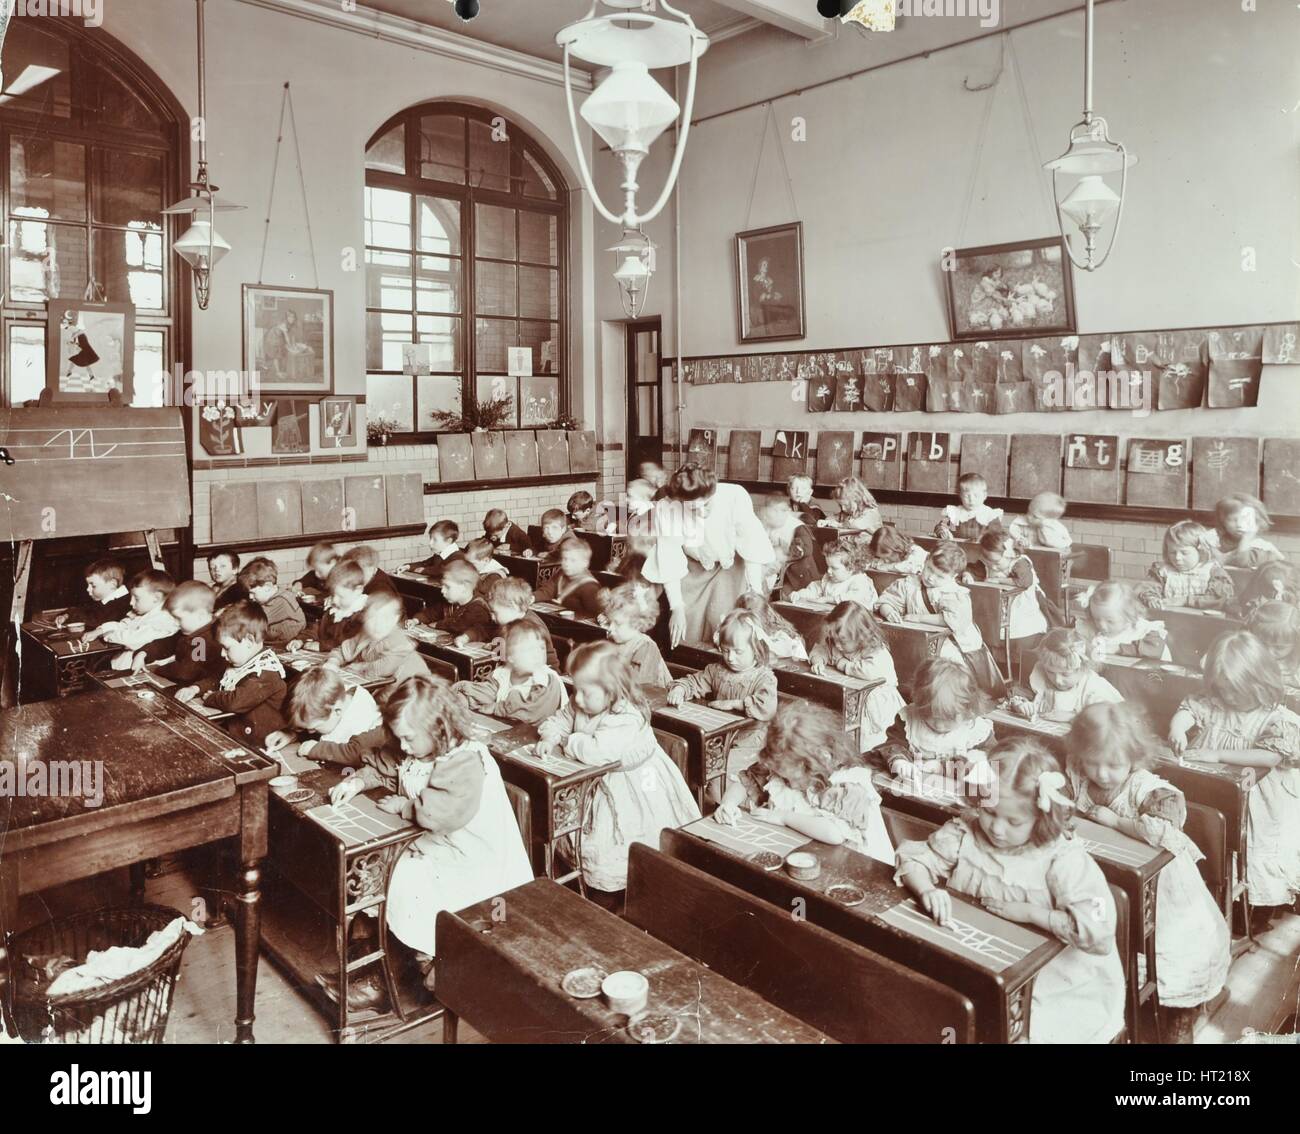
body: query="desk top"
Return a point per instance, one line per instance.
(61, 641)
(550, 931)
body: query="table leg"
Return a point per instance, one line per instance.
(449, 1022)
(8, 919)
(248, 936)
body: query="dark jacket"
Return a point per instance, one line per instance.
(581, 595)
(515, 540)
(257, 702)
(194, 657)
(232, 594)
(95, 614)
(382, 581)
(805, 564)
(473, 619)
(435, 565)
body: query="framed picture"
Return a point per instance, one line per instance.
(338, 423)
(289, 339)
(1009, 290)
(91, 349)
(417, 358)
(769, 283)
(292, 430)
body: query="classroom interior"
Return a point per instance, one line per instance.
(402, 286)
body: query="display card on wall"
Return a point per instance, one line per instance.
(986, 454)
(552, 452)
(322, 506)
(929, 463)
(789, 454)
(909, 393)
(1091, 468)
(1157, 473)
(743, 450)
(834, 456)
(848, 393)
(366, 499)
(582, 451)
(882, 460)
(878, 392)
(702, 448)
(1281, 476)
(1221, 466)
(279, 508)
(489, 455)
(521, 453)
(234, 512)
(405, 498)
(1035, 465)
(1280, 343)
(820, 394)
(456, 457)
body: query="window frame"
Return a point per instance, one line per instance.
(469, 197)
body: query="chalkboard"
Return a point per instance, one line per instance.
(882, 460)
(1091, 468)
(789, 454)
(489, 456)
(929, 463)
(702, 448)
(521, 453)
(743, 450)
(455, 457)
(552, 452)
(986, 454)
(89, 470)
(234, 511)
(1035, 465)
(1282, 476)
(322, 506)
(834, 456)
(367, 501)
(1221, 466)
(1157, 473)
(405, 498)
(279, 508)
(582, 451)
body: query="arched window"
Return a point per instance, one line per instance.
(466, 233)
(93, 152)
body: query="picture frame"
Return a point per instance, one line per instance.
(983, 301)
(288, 339)
(770, 284)
(338, 423)
(91, 350)
(291, 433)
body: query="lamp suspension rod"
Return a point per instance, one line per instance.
(1087, 64)
(203, 94)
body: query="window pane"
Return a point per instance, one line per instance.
(118, 105)
(388, 217)
(128, 189)
(150, 369)
(489, 157)
(26, 362)
(537, 183)
(492, 386)
(541, 337)
(438, 284)
(389, 152)
(537, 238)
(445, 336)
(494, 288)
(647, 412)
(385, 334)
(492, 336)
(36, 71)
(539, 292)
(436, 393)
(390, 396)
(47, 179)
(439, 226)
(388, 279)
(128, 266)
(46, 261)
(442, 147)
(495, 232)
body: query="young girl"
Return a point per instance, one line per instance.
(809, 779)
(628, 611)
(851, 643)
(1042, 526)
(1277, 625)
(1112, 624)
(1189, 575)
(936, 597)
(1240, 719)
(346, 721)
(471, 849)
(1110, 779)
(525, 689)
(1013, 855)
(892, 550)
(1278, 582)
(609, 722)
(783, 640)
(858, 508)
(1240, 520)
(1062, 683)
(382, 649)
(843, 582)
(743, 683)
(940, 739)
(971, 518)
(1030, 612)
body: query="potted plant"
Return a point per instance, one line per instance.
(479, 418)
(566, 422)
(379, 429)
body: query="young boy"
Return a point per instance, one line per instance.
(382, 649)
(581, 505)
(146, 622)
(223, 570)
(800, 490)
(511, 601)
(555, 526)
(341, 618)
(972, 517)
(443, 537)
(574, 586)
(347, 721)
(504, 532)
(799, 559)
(194, 654)
(367, 559)
(466, 617)
(320, 561)
(252, 685)
(110, 600)
(285, 620)
(525, 689)
(479, 553)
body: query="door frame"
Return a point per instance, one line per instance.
(637, 449)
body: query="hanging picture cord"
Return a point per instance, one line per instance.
(1035, 154)
(980, 137)
(770, 119)
(286, 103)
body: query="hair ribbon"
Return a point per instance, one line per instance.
(1049, 792)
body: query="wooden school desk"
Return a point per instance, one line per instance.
(991, 961)
(1159, 686)
(170, 781)
(418, 589)
(533, 571)
(564, 623)
(708, 734)
(1193, 632)
(55, 662)
(500, 964)
(473, 661)
(606, 550)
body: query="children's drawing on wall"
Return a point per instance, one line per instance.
(292, 433)
(541, 397)
(93, 342)
(417, 358)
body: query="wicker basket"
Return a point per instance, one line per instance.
(131, 1010)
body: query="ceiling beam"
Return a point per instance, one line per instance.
(799, 17)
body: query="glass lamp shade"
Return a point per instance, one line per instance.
(201, 246)
(629, 110)
(1088, 155)
(1090, 202)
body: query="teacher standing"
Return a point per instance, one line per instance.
(709, 548)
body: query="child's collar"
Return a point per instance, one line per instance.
(117, 594)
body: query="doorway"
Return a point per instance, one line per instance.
(645, 394)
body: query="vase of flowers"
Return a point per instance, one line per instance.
(379, 429)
